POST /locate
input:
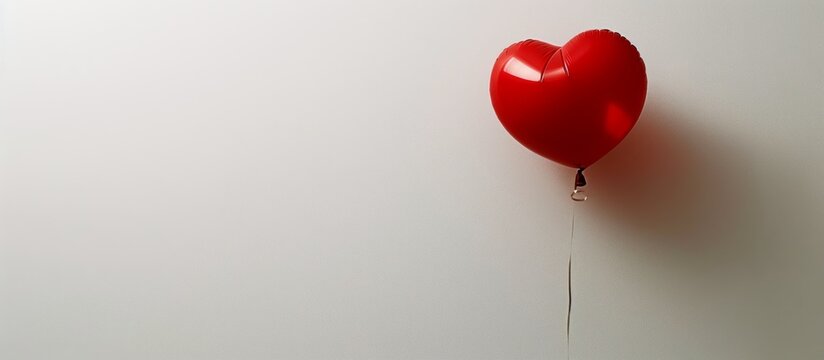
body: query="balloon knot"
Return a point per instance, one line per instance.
(580, 180)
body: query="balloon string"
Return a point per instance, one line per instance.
(569, 280)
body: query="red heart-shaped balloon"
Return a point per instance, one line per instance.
(570, 104)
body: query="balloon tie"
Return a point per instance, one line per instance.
(577, 195)
(569, 281)
(580, 181)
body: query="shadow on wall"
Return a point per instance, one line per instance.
(716, 215)
(672, 183)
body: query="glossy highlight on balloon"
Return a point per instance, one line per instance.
(574, 103)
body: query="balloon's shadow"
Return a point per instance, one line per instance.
(670, 182)
(716, 215)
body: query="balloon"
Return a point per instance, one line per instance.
(571, 104)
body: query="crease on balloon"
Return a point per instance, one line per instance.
(564, 61)
(555, 71)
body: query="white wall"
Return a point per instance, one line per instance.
(191, 179)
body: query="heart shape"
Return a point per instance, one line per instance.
(570, 104)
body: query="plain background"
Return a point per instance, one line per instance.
(192, 179)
